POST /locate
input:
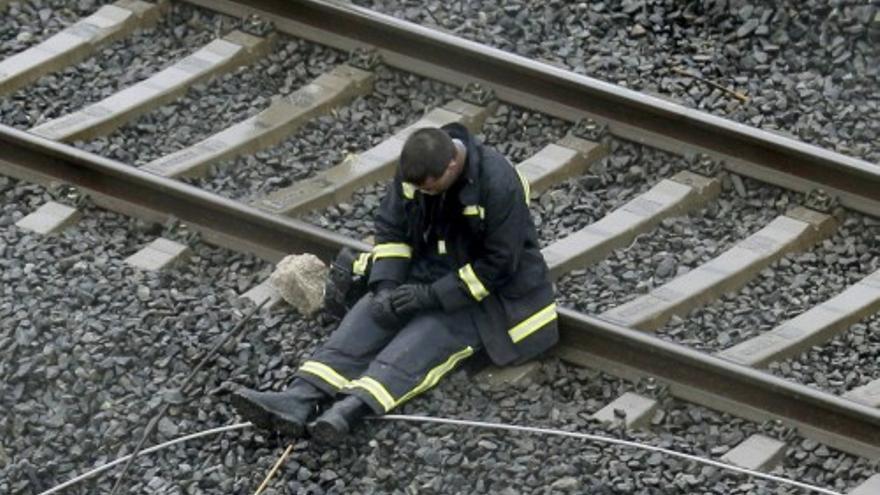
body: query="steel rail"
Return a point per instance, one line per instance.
(126, 189)
(587, 340)
(764, 155)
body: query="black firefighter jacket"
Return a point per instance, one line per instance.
(478, 247)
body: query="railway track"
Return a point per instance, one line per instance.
(599, 121)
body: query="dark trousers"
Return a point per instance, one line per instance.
(388, 367)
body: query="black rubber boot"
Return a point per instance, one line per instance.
(286, 412)
(335, 423)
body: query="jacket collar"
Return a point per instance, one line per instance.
(469, 194)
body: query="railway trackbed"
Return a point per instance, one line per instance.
(816, 193)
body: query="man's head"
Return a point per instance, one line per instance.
(430, 160)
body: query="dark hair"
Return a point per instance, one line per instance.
(426, 153)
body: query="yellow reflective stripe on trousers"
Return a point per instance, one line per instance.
(325, 373)
(527, 188)
(477, 289)
(436, 374)
(376, 389)
(474, 210)
(392, 250)
(360, 264)
(533, 323)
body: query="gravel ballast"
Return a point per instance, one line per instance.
(809, 69)
(784, 290)
(210, 107)
(847, 361)
(398, 99)
(677, 246)
(182, 30)
(28, 23)
(92, 344)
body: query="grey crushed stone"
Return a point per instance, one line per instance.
(810, 69)
(784, 290)
(847, 361)
(27, 23)
(398, 100)
(92, 359)
(677, 246)
(212, 106)
(116, 66)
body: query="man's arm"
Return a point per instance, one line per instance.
(506, 217)
(392, 252)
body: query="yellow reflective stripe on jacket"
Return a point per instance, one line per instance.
(376, 389)
(477, 289)
(360, 264)
(392, 250)
(533, 323)
(474, 211)
(409, 190)
(527, 188)
(436, 374)
(325, 373)
(441, 247)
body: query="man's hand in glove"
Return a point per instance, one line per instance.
(382, 311)
(409, 300)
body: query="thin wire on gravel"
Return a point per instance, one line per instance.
(410, 458)
(89, 342)
(182, 30)
(784, 290)
(809, 69)
(210, 107)
(397, 100)
(27, 23)
(677, 246)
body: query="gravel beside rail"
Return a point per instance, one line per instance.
(786, 289)
(809, 69)
(93, 344)
(678, 245)
(397, 100)
(210, 107)
(89, 342)
(182, 30)
(24, 24)
(844, 363)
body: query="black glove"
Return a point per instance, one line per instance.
(382, 311)
(409, 300)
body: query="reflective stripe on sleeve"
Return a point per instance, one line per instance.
(325, 373)
(376, 389)
(474, 211)
(477, 289)
(441, 246)
(409, 190)
(527, 188)
(533, 323)
(392, 250)
(360, 264)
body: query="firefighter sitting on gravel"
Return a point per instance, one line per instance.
(456, 268)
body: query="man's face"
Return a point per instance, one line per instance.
(433, 186)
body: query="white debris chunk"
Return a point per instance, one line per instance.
(300, 280)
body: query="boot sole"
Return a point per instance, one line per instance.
(327, 433)
(265, 419)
